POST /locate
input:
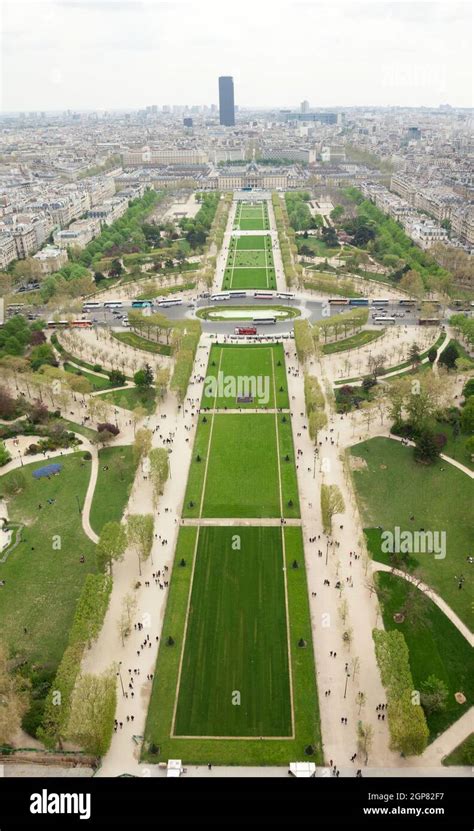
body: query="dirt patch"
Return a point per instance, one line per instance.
(383, 467)
(357, 463)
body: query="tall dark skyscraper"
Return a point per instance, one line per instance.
(226, 101)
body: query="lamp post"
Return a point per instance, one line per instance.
(20, 457)
(314, 465)
(348, 675)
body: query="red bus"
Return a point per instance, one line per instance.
(85, 324)
(245, 330)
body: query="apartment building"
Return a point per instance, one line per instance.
(79, 233)
(25, 240)
(109, 211)
(155, 156)
(462, 224)
(8, 251)
(51, 259)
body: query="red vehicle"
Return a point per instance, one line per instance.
(245, 330)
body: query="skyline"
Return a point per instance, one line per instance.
(399, 54)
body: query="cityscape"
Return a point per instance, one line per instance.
(236, 412)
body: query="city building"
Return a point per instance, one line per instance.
(226, 101)
(51, 259)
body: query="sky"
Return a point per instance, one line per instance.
(118, 54)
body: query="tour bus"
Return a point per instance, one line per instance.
(264, 320)
(358, 301)
(142, 304)
(60, 324)
(377, 302)
(221, 296)
(339, 301)
(170, 301)
(407, 302)
(429, 321)
(285, 295)
(113, 304)
(263, 295)
(237, 294)
(90, 305)
(381, 320)
(245, 330)
(82, 324)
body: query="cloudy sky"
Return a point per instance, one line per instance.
(107, 54)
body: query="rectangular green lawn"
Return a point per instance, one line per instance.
(252, 243)
(251, 278)
(242, 474)
(236, 638)
(250, 259)
(117, 468)
(248, 362)
(132, 397)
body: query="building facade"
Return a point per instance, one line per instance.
(226, 101)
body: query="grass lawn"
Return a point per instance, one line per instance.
(236, 638)
(131, 339)
(113, 485)
(42, 582)
(463, 754)
(79, 428)
(392, 487)
(249, 278)
(252, 217)
(318, 246)
(249, 259)
(132, 397)
(354, 342)
(159, 745)
(259, 362)
(436, 647)
(252, 243)
(455, 445)
(242, 474)
(96, 381)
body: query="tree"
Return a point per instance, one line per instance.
(412, 283)
(467, 416)
(8, 404)
(142, 443)
(426, 448)
(129, 607)
(365, 737)
(434, 695)
(414, 354)
(159, 470)
(432, 355)
(5, 456)
(162, 379)
(116, 378)
(140, 536)
(41, 355)
(332, 502)
(93, 704)
(13, 699)
(112, 544)
(449, 356)
(144, 377)
(361, 699)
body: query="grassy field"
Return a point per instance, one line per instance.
(160, 746)
(260, 362)
(131, 339)
(436, 647)
(236, 638)
(252, 217)
(249, 278)
(131, 397)
(96, 381)
(253, 243)
(242, 472)
(392, 487)
(251, 259)
(113, 485)
(317, 246)
(42, 580)
(463, 754)
(354, 342)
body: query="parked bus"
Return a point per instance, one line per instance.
(407, 302)
(339, 301)
(377, 302)
(381, 320)
(429, 321)
(263, 295)
(238, 294)
(245, 330)
(221, 296)
(285, 295)
(91, 305)
(60, 324)
(171, 301)
(264, 320)
(142, 304)
(358, 301)
(82, 324)
(113, 304)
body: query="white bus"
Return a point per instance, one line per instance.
(221, 296)
(285, 295)
(381, 320)
(377, 302)
(90, 305)
(265, 295)
(263, 320)
(113, 304)
(175, 301)
(237, 294)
